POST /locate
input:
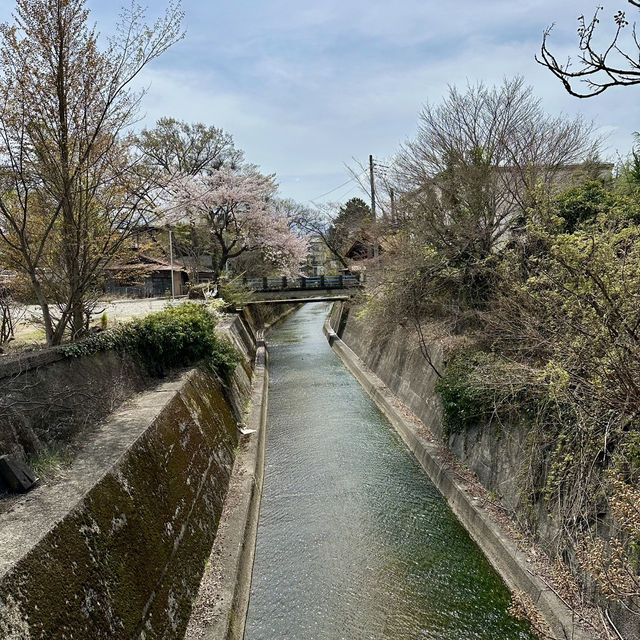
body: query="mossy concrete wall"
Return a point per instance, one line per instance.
(118, 547)
(220, 609)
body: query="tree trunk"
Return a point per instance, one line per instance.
(46, 313)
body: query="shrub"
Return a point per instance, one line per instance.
(586, 202)
(464, 404)
(176, 337)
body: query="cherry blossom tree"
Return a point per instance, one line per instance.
(240, 214)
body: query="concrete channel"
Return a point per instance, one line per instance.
(354, 541)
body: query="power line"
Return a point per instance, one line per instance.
(350, 190)
(344, 184)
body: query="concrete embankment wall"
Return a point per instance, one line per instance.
(117, 548)
(397, 361)
(48, 398)
(395, 369)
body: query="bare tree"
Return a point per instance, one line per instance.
(597, 70)
(70, 190)
(481, 159)
(319, 222)
(11, 312)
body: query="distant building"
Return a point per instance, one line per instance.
(319, 259)
(145, 276)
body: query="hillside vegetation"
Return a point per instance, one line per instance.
(527, 269)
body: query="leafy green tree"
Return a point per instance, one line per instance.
(188, 148)
(350, 224)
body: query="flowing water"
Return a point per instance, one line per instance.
(354, 542)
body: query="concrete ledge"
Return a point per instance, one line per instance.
(221, 607)
(502, 553)
(14, 365)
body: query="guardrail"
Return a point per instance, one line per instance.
(294, 284)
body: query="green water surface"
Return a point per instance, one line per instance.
(354, 542)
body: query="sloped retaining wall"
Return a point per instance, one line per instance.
(377, 369)
(118, 548)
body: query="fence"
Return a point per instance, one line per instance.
(291, 284)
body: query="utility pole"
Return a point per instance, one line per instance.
(171, 259)
(373, 189)
(373, 208)
(392, 194)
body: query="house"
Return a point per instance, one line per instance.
(145, 276)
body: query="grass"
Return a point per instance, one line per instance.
(50, 462)
(27, 335)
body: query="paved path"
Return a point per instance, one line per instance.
(117, 310)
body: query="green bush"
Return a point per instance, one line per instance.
(584, 203)
(464, 405)
(176, 337)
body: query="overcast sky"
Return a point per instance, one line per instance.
(306, 87)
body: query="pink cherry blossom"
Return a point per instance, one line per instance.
(239, 210)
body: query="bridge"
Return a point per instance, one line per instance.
(309, 289)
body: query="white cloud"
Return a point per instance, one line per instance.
(305, 87)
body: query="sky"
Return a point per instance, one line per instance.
(307, 88)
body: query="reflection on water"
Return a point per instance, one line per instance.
(354, 542)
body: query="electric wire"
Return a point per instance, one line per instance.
(344, 184)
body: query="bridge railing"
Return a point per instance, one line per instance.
(291, 284)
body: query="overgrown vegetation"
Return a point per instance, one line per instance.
(464, 404)
(176, 337)
(528, 269)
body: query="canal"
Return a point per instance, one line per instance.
(354, 542)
